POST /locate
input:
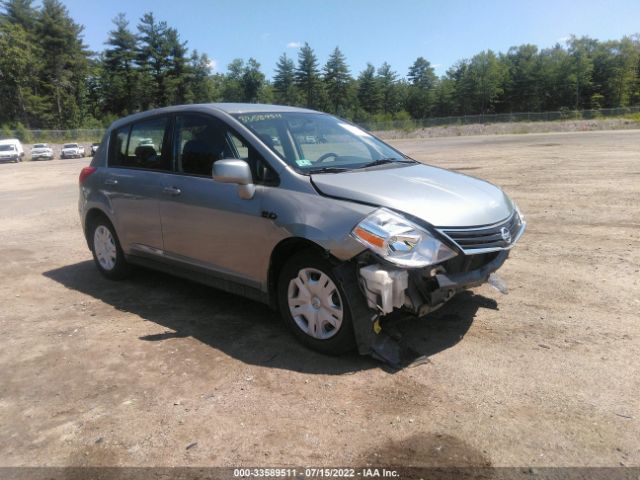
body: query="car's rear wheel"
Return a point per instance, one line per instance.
(107, 253)
(314, 305)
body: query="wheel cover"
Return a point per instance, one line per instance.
(104, 247)
(315, 303)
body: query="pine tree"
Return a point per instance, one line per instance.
(153, 60)
(119, 75)
(307, 77)
(19, 12)
(387, 79)
(369, 95)
(64, 67)
(252, 81)
(233, 90)
(201, 87)
(423, 80)
(177, 69)
(18, 101)
(284, 81)
(337, 80)
(421, 74)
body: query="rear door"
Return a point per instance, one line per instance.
(139, 162)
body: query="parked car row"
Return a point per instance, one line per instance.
(11, 150)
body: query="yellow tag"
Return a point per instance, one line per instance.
(376, 326)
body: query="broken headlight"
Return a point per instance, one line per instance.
(400, 241)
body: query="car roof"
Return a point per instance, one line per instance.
(10, 141)
(230, 108)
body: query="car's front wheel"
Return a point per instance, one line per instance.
(107, 253)
(314, 305)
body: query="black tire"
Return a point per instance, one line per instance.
(343, 339)
(121, 268)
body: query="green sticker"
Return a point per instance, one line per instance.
(303, 162)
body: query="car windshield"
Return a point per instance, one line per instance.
(315, 142)
(7, 148)
(40, 145)
(70, 145)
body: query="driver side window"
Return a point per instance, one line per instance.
(200, 141)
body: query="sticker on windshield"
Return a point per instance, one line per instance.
(303, 162)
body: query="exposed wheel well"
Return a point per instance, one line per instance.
(91, 216)
(281, 253)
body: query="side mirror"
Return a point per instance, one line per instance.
(235, 171)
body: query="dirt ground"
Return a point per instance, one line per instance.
(159, 371)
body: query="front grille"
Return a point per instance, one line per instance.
(489, 238)
(468, 263)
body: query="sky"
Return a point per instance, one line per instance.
(396, 31)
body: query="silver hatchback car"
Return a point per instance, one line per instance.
(303, 211)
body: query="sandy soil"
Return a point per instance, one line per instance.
(159, 371)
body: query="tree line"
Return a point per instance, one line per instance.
(50, 79)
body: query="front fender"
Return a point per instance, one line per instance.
(324, 221)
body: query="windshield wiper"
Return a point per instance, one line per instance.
(383, 161)
(328, 170)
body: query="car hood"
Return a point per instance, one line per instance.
(440, 197)
(8, 153)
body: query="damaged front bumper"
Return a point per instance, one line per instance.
(420, 291)
(437, 289)
(389, 289)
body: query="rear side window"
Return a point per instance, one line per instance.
(141, 145)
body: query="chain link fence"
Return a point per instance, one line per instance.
(95, 135)
(560, 115)
(56, 136)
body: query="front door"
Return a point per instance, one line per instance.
(205, 222)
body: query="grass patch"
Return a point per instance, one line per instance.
(635, 117)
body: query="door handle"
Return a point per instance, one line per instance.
(111, 181)
(173, 191)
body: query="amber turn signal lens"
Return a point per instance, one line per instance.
(369, 237)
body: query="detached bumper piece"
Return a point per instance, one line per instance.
(379, 293)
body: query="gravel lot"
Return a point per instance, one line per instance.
(159, 371)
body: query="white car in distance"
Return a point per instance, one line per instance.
(41, 151)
